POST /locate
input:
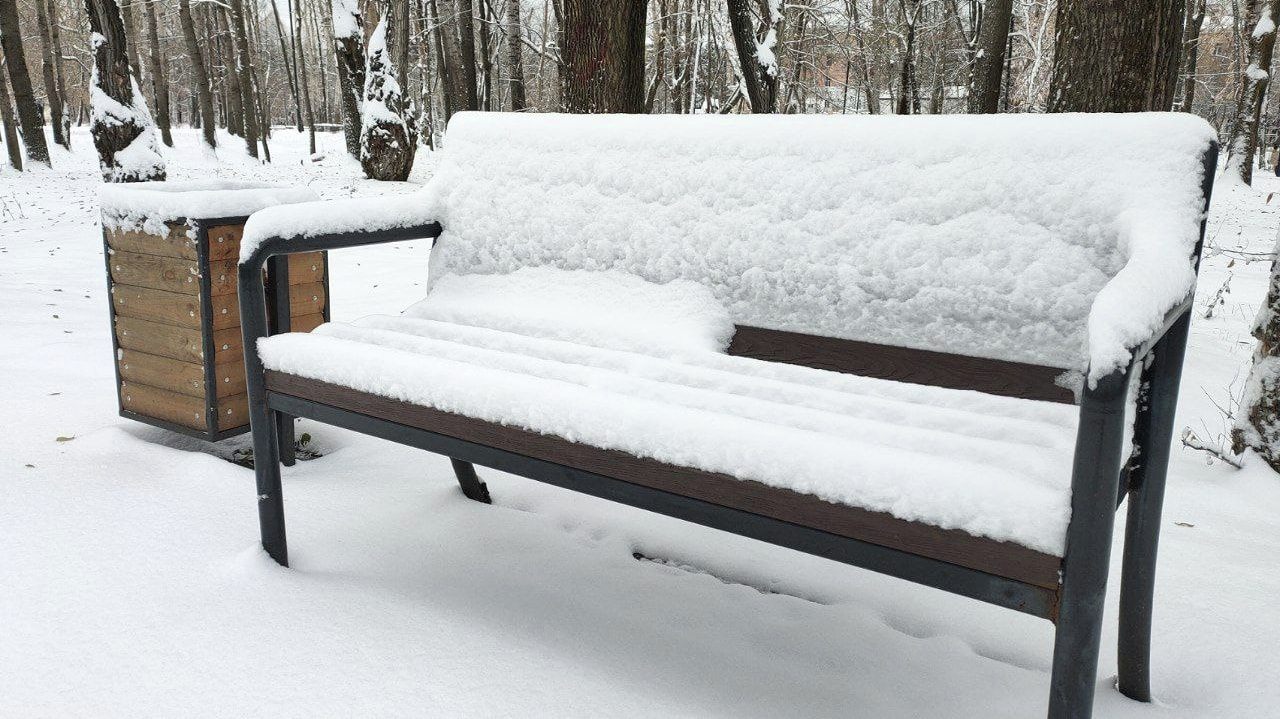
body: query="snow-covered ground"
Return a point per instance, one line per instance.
(131, 583)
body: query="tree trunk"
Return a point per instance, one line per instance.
(122, 130)
(291, 71)
(515, 56)
(1191, 54)
(233, 101)
(1258, 422)
(452, 75)
(1263, 17)
(1116, 55)
(244, 73)
(387, 138)
(909, 92)
(603, 53)
(199, 74)
(58, 71)
(6, 120)
(756, 54)
(303, 82)
(989, 57)
(131, 38)
(467, 45)
(158, 78)
(24, 98)
(486, 58)
(348, 45)
(51, 92)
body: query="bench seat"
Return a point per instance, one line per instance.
(994, 467)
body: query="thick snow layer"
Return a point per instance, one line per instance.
(990, 236)
(148, 205)
(608, 309)
(991, 466)
(360, 214)
(131, 584)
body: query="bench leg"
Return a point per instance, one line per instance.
(266, 468)
(1094, 485)
(470, 482)
(284, 430)
(1153, 432)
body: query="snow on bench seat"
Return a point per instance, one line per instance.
(991, 466)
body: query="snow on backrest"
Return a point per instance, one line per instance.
(986, 236)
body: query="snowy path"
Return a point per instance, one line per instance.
(131, 585)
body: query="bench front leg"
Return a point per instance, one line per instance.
(1094, 482)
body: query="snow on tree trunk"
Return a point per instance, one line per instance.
(388, 138)
(348, 45)
(1263, 17)
(756, 52)
(122, 129)
(1258, 422)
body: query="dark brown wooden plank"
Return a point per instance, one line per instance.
(937, 369)
(956, 547)
(172, 274)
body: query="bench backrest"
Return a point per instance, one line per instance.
(988, 237)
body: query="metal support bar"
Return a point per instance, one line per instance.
(470, 482)
(1152, 435)
(972, 583)
(279, 320)
(1084, 568)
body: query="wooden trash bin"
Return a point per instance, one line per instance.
(172, 250)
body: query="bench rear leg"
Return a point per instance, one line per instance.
(470, 482)
(1153, 432)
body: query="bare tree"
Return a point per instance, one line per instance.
(58, 72)
(348, 45)
(291, 70)
(467, 45)
(24, 98)
(6, 119)
(515, 56)
(1191, 52)
(122, 130)
(50, 81)
(604, 56)
(989, 56)
(303, 81)
(756, 54)
(1263, 17)
(244, 72)
(199, 75)
(159, 80)
(388, 140)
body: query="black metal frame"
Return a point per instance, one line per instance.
(1099, 477)
(208, 351)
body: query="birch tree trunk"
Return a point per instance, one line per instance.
(24, 98)
(199, 74)
(122, 130)
(11, 142)
(51, 91)
(1261, 23)
(989, 57)
(158, 78)
(291, 70)
(515, 56)
(604, 46)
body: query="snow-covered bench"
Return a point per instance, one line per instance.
(907, 344)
